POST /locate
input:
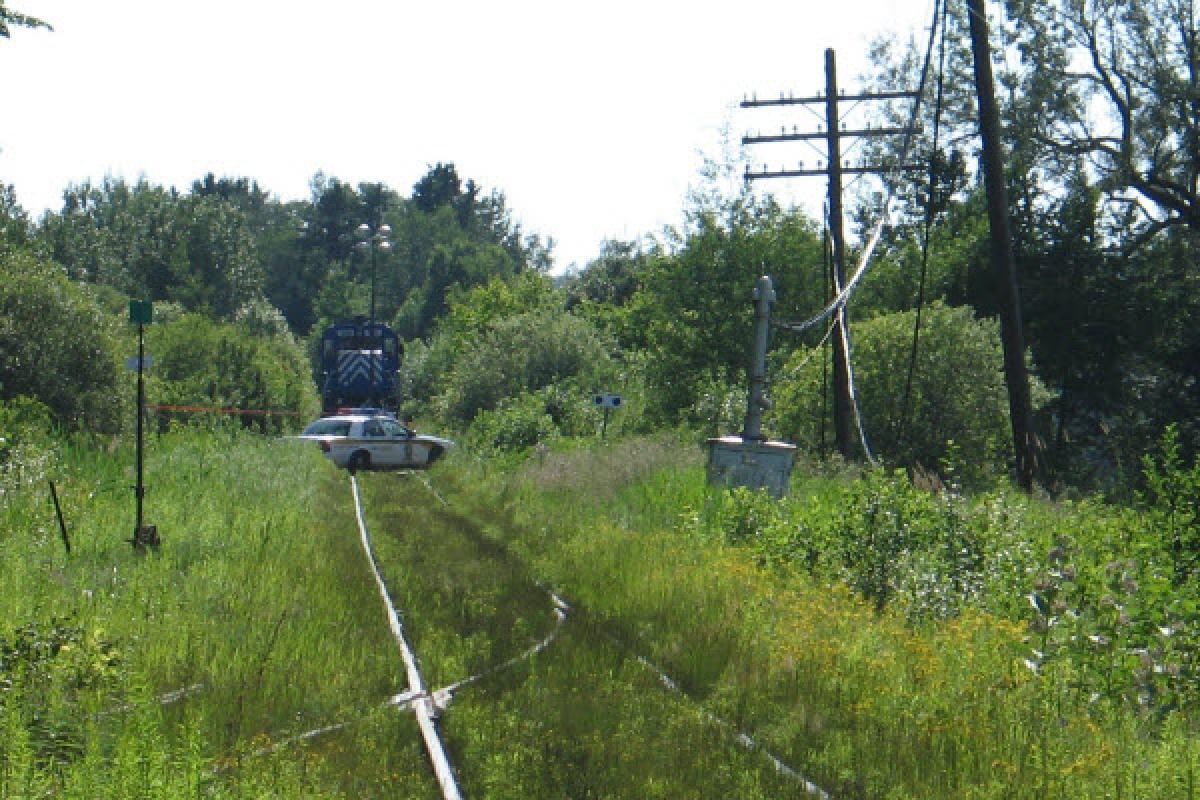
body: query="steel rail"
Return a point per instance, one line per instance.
(441, 698)
(423, 704)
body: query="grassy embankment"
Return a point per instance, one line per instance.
(978, 680)
(260, 607)
(260, 597)
(257, 602)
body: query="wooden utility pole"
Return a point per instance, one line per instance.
(843, 409)
(1020, 406)
(842, 404)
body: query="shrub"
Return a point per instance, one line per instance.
(957, 418)
(27, 447)
(521, 354)
(207, 363)
(58, 346)
(518, 424)
(1172, 500)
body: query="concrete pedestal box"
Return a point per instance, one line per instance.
(754, 464)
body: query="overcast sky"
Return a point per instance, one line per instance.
(592, 118)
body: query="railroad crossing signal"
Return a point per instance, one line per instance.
(608, 402)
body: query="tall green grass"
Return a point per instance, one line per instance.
(582, 718)
(774, 617)
(257, 598)
(851, 673)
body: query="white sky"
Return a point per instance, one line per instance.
(592, 118)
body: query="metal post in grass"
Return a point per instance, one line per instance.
(62, 524)
(140, 313)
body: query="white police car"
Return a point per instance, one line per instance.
(369, 438)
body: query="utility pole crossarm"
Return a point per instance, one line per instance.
(822, 99)
(866, 169)
(801, 137)
(833, 168)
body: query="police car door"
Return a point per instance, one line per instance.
(383, 451)
(400, 445)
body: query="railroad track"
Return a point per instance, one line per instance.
(428, 704)
(416, 698)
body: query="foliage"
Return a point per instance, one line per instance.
(1108, 597)
(892, 544)
(27, 445)
(694, 314)
(1008, 649)
(1172, 500)
(476, 310)
(185, 671)
(611, 279)
(1125, 76)
(10, 18)
(944, 693)
(15, 227)
(206, 363)
(517, 424)
(604, 291)
(227, 243)
(148, 242)
(58, 346)
(958, 269)
(535, 418)
(719, 408)
(1098, 123)
(957, 411)
(522, 353)
(472, 315)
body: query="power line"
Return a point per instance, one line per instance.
(845, 402)
(902, 423)
(842, 297)
(833, 169)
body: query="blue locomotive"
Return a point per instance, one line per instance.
(359, 362)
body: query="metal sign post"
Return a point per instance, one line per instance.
(140, 312)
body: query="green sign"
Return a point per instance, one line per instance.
(139, 312)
